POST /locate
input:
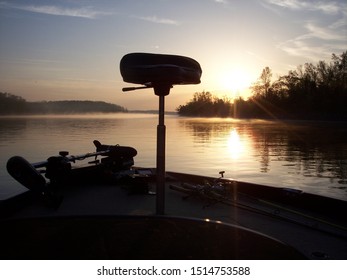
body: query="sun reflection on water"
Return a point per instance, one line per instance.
(235, 145)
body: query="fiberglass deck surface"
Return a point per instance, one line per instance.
(117, 200)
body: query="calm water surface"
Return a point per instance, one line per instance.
(302, 155)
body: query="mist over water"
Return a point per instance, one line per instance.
(311, 156)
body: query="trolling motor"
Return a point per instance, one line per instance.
(58, 168)
(114, 158)
(160, 72)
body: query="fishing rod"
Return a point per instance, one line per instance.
(267, 208)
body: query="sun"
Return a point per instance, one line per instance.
(235, 80)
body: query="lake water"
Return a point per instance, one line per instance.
(311, 156)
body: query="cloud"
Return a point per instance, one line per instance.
(322, 27)
(318, 42)
(303, 49)
(221, 1)
(155, 19)
(324, 33)
(83, 12)
(326, 7)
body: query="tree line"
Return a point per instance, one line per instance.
(309, 92)
(204, 104)
(12, 104)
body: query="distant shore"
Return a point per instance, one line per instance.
(15, 105)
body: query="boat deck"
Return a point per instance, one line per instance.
(314, 238)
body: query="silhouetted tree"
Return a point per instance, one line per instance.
(204, 104)
(308, 92)
(11, 104)
(311, 91)
(262, 85)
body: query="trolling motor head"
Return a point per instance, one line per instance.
(159, 71)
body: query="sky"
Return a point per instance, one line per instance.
(70, 50)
